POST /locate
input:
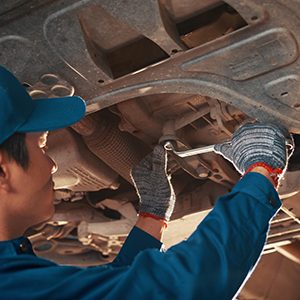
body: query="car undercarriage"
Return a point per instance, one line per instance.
(185, 71)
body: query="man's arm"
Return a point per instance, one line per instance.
(215, 261)
(146, 234)
(140, 240)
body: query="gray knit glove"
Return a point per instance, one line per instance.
(258, 142)
(153, 185)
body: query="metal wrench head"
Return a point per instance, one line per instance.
(168, 146)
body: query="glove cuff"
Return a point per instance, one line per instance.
(274, 173)
(148, 215)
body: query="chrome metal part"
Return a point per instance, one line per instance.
(196, 151)
(209, 166)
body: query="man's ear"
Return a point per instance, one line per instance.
(4, 173)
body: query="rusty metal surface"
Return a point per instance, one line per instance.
(79, 169)
(119, 150)
(254, 68)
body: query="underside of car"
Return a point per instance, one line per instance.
(184, 71)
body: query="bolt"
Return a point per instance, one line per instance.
(202, 172)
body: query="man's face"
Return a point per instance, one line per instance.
(33, 187)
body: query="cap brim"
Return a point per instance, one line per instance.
(54, 113)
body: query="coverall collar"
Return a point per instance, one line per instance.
(18, 246)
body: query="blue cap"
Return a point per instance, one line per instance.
(20, 113)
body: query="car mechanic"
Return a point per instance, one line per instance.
(213, 263)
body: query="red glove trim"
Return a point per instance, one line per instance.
(148, 215)
(274, 173)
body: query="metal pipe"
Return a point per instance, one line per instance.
(290, 214)
(119, 150)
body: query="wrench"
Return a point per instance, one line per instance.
(206, 149)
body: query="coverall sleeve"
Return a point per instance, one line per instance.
(217, 258)
(137, 241)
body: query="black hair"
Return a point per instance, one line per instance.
(16, 149)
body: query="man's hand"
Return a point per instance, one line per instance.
(157, 197)
(257, 143)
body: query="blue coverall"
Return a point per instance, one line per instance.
(212, 264)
